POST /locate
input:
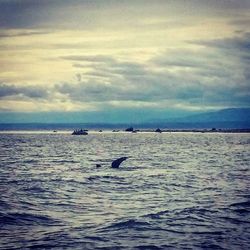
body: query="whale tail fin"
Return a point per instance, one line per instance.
(116, 163)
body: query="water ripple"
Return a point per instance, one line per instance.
(176, 191)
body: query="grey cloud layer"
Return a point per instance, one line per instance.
(93, 14)
(207, 72)
(210, 76)
(235, 44)
(236, 51)
(217, 75)
(30, 92)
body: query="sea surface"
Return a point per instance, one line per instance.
(176, 191)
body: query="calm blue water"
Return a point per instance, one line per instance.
(176, 191)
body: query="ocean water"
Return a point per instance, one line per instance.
(176, 191)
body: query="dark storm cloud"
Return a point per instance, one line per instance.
(31, 91)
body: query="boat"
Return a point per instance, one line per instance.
(80, 132)
(158, 130)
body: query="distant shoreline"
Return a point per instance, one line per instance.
(202, 130)
(68, 131)
(164, 127)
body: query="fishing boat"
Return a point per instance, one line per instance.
(80, 132)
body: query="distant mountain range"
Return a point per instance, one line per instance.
(225, 115)
(226, 118)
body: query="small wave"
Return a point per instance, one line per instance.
(195, 210)
(241, 204)
(30, 161)
(241, 211)
(138, 225)
(96, 238)
(71, 181)
(181, 185)
(4, 205)
(64, 161)
(34, 189)
(207, 189)
(207, 245)
(37, 146)
(234, 220)
(20, 141)
(150, 247)
(101, 177)
(156, 215)
(25, 219)
(241, 208)
(208, 232)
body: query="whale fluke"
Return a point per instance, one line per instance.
(116, 163)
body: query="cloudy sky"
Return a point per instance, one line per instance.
(111, 55)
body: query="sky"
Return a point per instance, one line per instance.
(118, 56)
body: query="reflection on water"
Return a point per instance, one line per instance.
(177, 190)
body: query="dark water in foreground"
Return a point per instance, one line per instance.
(177, 191)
